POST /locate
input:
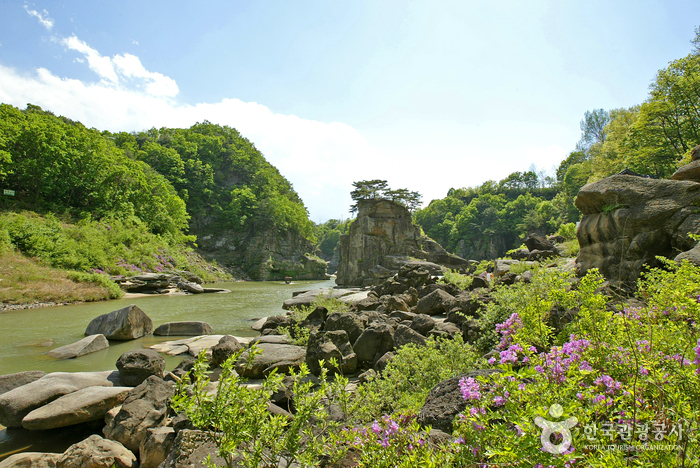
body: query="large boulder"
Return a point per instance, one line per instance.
(184, 329)
(305, 298)
(155, 447)
(227, 347)
(124, 324)
(96, 452)
(87, 345)
(271, 356)
(348, 322)
(31, 460)
(383, 237)
(535, 241)
(11, 381)
(445, 401)
(190, 449)
(18, 403)
(374, 342)
(145, 407)
(330, 345)
(88, 404)
(436, 302)
(628, 221)
(405, 335)
(137, 365)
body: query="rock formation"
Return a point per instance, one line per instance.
(381, 240)
(628, 221)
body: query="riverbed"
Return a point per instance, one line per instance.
(26, 335)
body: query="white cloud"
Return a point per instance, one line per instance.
(42, 17)
(157, 84)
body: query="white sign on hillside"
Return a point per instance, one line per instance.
(8, 192)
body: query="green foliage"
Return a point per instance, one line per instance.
(410, 376)
(379, 189)
(328, 235)
(105, 281)
(236, 417)
(58, 165)
(456, 278)
(113, 246)
(567, 231)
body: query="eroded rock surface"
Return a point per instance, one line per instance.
(628, 221)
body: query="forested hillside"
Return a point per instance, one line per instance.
(653, 138)
(125, 203)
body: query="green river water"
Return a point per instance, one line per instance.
(26, 336)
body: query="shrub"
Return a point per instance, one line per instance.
(457, 279)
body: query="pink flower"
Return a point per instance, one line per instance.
(470, 388)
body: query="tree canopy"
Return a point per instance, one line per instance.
(379, 189)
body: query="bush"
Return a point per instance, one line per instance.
(457, 279)
(567, 231)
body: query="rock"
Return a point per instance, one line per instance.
(156, 446)
(396, 303)
(185, 366)
(383, 237)
(402, 316)
(190, 449)
(227, 347)
(259, 324)
(137, 365)
(193, 288)
(383, 361)
(305, 298)
(274, 339)
(354, 298)
(272, 354)
(11, 381)
(347, 321)
(508, 279)
(628, 221)
(276, 321)
(96, 452)
(184, 329)
(31, 460)
(128, 323)
(527, 276)
(422, 323)
(535, 241)
(144, 408)
(434, 303)
(315, 319)
(87, 345)
(479, 282)
(87, 404)
(206, 343)
(445, 329)
(330, 345)
(18, 403)
(445, 401)
(502, 266)
(405, 335)
(688, 172)
(374, 341)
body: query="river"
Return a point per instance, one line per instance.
(26, 334)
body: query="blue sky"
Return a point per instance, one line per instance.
(428, 95)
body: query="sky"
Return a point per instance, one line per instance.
(427, 95)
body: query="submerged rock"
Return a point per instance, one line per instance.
(184, 329)
(87, 345)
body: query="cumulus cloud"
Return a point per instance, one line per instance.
(43, 17)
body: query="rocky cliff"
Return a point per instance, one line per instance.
(629, 220)
(263, 255)
(381, 240)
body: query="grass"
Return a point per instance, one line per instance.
(24, 281)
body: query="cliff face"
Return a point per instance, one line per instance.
(263, 255)
(381, 240)
(628, 221)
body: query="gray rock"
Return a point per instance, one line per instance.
(273, 339)
(206, 343)
(193, 288)
(383, 361)
(422, 323)
(96, 452)
(145, 408)
(227, 347)
(128, 323)
(405, 335)
(272, 354)
(434, 303)
(87, 404)
(155, 447)
(18, 403)
(537, 242)
(374, 341)
(305, 298)
(688, 172)
(87, 345)
(184, 329)
(349, 322)
(628, 221)
(137, 365)
(445, 329)
(445, 401)
(31, 460)
(330, 345)
(190, 449)
(11, 381)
